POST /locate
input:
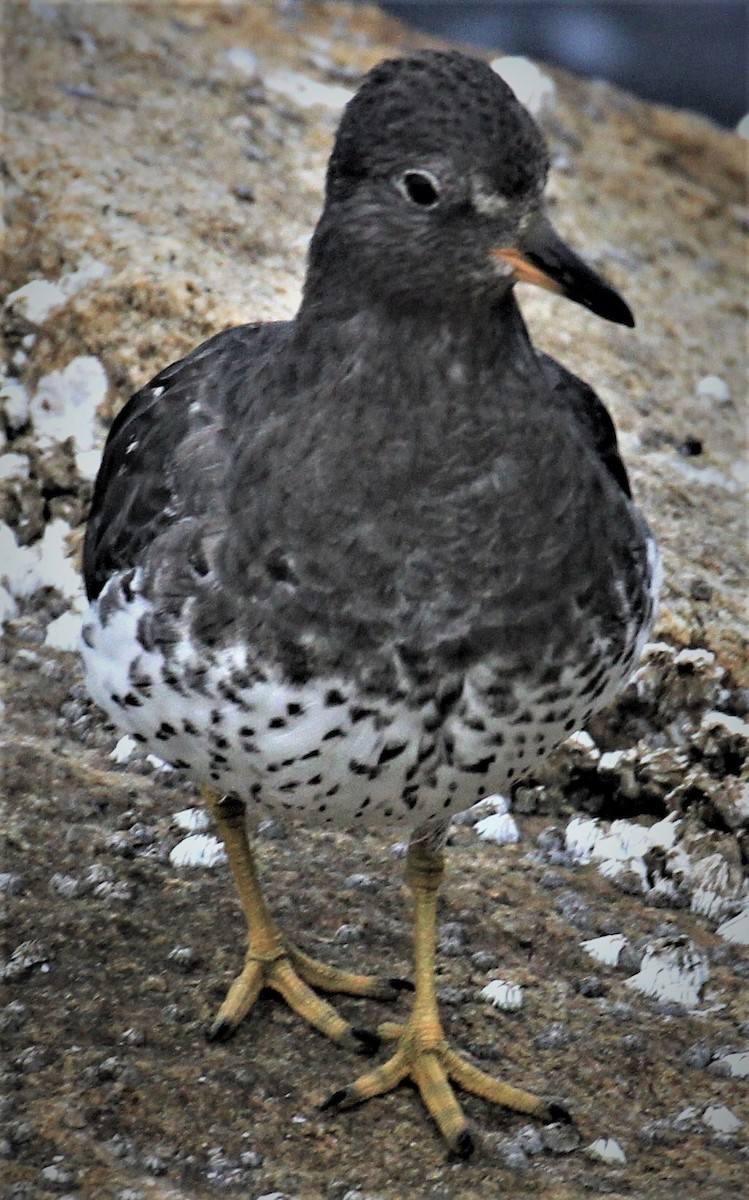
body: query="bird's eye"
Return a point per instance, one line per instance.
(420, 188)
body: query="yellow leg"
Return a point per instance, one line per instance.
(270, 962)
(422, 1052)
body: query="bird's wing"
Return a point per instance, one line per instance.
(591, 417)
(162, 447)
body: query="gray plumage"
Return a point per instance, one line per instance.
(393, 499)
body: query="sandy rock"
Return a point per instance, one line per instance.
(164, 173)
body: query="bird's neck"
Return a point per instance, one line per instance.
(416, 345)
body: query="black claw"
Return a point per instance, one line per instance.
(334, 1100)
(369, 1043)
(465, 1145)
(220, 1031)
(401, 985)
(559, 1112)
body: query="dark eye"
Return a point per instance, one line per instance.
(420, 188)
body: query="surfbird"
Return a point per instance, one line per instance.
(369, 565)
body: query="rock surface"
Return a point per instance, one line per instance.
(163, 179)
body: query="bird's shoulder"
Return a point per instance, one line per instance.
(164, 444)
(590, 415)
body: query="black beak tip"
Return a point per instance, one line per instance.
(623, 314)
(610, 306)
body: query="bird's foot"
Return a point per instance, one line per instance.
(293, 974)
(423, 1055)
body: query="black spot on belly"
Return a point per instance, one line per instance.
(391, 751)
(313, 782)
(357, 768)
(481, 767)
(333, 733)
(277, 723)
(247, 732)
(358, 712)
(294, 710)
(132, 700)
(334, 698)
(308, 755)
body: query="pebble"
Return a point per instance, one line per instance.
(184, 958)
(513, 1156)
(348, 933)
(24, 958)
(591, 985)
(272, 830)
(560, 1138)
(55, 1177)
(66, 885)
(10, 884)
(361, 882)
(661, 1133)
(452, 939)
(574, 909)
(554, 1037)
(483, 960)
(697, 1055)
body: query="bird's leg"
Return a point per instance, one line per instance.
(272, 962)
(422, 1053)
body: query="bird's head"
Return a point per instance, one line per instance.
(434, 194)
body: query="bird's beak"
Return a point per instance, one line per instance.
(547, 261)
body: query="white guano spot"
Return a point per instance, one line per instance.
(124, 749)
(672, 971)
(64, 633)
(14, 466)
(735, 1065)
(712, 387)
(40, 297)
(66, 405)
(503, 994)
(606, 950)
(532, 87)
(243, 61)
(192, 820)
(198, 850)
(736, 929)
(607, 1150)
(306, 92)
(500, 828)
(720, 1119)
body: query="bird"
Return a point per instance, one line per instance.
(365, 566)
